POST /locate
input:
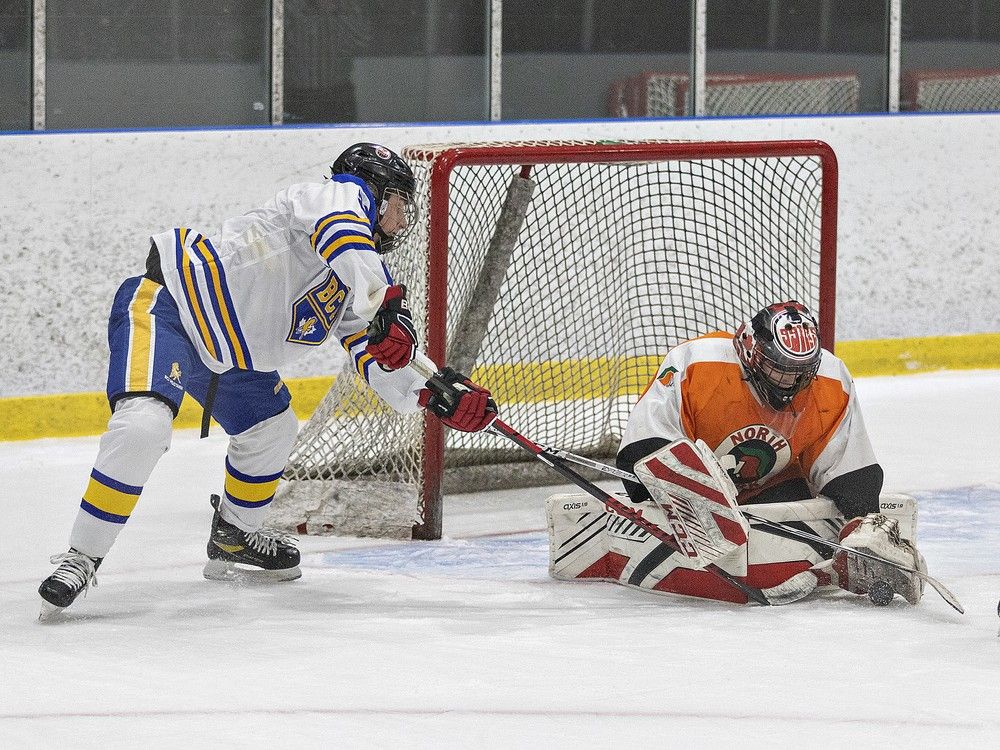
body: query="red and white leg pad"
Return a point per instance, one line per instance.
(587, 542)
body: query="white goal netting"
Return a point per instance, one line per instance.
(563, 307)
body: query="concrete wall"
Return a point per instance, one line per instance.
(919, 237)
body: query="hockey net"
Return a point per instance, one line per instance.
(727, 94)
(951, 90)
(559, 274)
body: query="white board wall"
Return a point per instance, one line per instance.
(918, 239)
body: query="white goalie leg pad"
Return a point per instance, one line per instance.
(775, 555)
(578, 545)
(821, 516)
(587, 541)
(904, 509)
(698, 499)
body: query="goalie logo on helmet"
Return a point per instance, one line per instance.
(781, 417)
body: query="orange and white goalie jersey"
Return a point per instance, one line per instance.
(282, 279)
(700, 393)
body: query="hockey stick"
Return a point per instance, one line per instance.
(614, 471)
(501, 429)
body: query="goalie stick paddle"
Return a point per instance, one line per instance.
(614, 471)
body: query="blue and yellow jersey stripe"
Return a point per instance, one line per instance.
(222, 302)
(355, 345)
(142, 337)
(249, 491)
(211, 306)
(109, 499)
(337, 233)
(192, 295)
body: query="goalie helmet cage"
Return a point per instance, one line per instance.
(624, 250)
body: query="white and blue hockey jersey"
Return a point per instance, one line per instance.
(283, 278)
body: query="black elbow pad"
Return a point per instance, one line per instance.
(627, 458)
(856, 492)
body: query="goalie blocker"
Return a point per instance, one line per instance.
(696, 501)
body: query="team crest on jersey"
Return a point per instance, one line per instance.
(315, 312)
(666, 377)
(794, 336)
(753, 454)
(174, 377)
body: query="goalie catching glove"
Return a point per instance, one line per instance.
(458, 402)
(878, 535)
(392, 337)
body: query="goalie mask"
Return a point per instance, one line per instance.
(388, 175)
(780, 351)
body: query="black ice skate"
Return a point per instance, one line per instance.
(75, 574)
(237, 555)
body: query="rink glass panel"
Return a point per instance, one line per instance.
(355, 61)
(561, 59)
(951, 56)
(125, 64)
(15, 65)
(837, 48)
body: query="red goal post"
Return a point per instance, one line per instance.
(623, 250)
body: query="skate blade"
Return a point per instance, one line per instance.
(49, 611)
(221, 570)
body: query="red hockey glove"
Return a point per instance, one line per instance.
(458, 402)
(392, 338)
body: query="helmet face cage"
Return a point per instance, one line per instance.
(780, 351)
(410, 211)
(386, 173)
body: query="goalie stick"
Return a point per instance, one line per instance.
(614, 471)
(558, 464)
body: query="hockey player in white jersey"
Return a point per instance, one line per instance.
(772, 423)
(215, 316)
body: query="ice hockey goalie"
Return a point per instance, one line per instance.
(771, 420)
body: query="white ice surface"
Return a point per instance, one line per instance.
(466, 643)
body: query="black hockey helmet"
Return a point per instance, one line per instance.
(780, 351)
(386, 173)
